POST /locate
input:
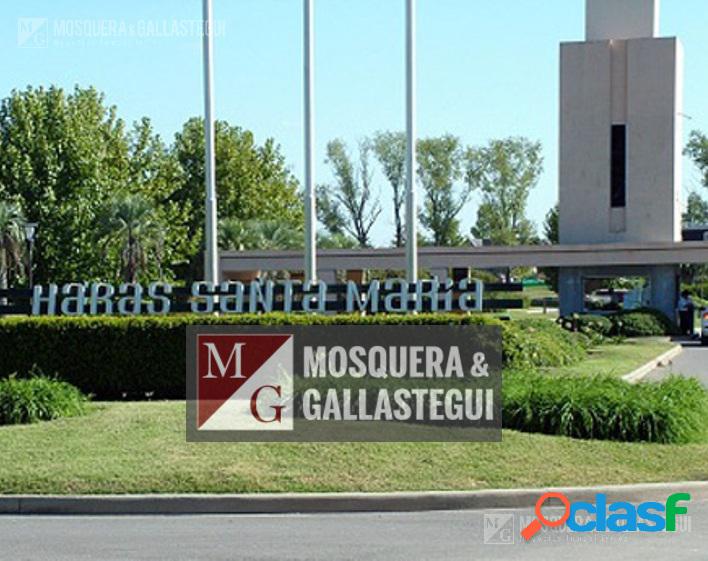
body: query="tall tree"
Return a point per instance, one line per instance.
(697, 150)
(129, 229)
(11, 239)
(552, 236)
(155, 176)
(505, 171)
(696, 210)
(252, 181)
(439, 170)
(336, 241)
(696, 213)
(550, 226)
(349, 205)
(64, 157)
(61, 156)
(329, 213)
(390, 150)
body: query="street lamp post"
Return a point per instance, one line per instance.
(30, 231)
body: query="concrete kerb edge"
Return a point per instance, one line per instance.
(328, 502)
(640, 373)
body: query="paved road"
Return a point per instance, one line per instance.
(693, 361)
(444, 536)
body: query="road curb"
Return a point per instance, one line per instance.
(639, 374)
(329, 502)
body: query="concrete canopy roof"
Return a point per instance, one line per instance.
(621, 254)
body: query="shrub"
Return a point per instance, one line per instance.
(642, 323)
(119, 357)
(594, 326)
(606, 408)
(697, 289)
(38, 399)
(541, 343)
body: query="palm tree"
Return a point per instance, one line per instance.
(238, 235)
(11, 237)
(129, 223)
(241, 235)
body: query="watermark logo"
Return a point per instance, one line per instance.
(41, 32)
(499, 529)
(343, 383)
(32, 33)
(599, 516)
(245, 382)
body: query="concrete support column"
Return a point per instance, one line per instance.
(663, 281)
(664, 289)
(570, 286)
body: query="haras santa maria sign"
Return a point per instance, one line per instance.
(262, 296)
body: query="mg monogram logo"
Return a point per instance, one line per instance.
(244, 382)
(499, 529)
(215, 357)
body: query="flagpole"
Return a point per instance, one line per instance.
(211, 257)
(309, 94)
(411, 165)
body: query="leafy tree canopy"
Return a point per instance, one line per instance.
(505, 171)
(349, 206)
(550, 226)
(697, 150)
(439, 171)
(66, 157)
(696, 210)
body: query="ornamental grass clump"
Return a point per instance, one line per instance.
(38, 399)
(606, 408)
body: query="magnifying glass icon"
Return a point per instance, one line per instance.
(532, 529)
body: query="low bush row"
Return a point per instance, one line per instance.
(116, 358)
(632, 323)
(605, 407)
(592, 407)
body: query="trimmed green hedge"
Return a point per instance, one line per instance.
(532, 343)
(132, 357)
(38, 399)
(605, 407)
(643, 322)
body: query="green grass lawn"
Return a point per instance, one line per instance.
(141, 448)
(618, 359)
(529, 313)
(540, 292)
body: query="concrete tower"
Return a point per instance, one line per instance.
(620, 144)
(620, 128)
